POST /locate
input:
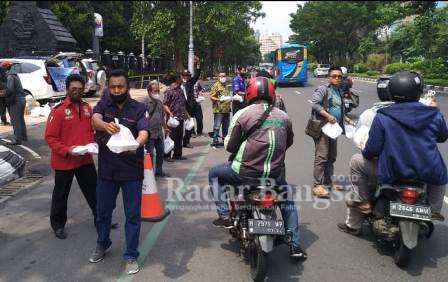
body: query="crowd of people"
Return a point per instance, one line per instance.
(250, 122)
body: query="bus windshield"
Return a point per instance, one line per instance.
(292, 55)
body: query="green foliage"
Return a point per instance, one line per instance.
(360, 68)
(4, 8)
(377, 61)
(396, 67)
(373, 73)
(312, 66)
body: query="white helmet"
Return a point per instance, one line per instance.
(344, 70)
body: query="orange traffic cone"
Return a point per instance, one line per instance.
(151, 206)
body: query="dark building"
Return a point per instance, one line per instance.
(30, 28)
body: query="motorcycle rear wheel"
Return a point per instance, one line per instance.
(402, 254)
(258, 260)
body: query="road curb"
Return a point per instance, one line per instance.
(440, 90)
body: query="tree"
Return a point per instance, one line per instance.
(4, 9)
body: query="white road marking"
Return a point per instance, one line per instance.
(33, 153)
(309, 101)
(298, 92)
(357, 90)
(446, 199)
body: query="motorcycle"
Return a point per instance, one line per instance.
(401, 215)
(256, 224)
(351, 100)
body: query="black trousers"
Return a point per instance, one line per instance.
(177, 135)
(86, 177)
(187, 136)
(236, 106)
(199, 117)
(3, 110)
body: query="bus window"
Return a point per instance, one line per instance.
(292, 55)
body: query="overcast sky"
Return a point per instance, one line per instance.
(277, 17)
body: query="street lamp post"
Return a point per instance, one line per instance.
(190, 46)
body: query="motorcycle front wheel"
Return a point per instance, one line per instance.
(258, 260)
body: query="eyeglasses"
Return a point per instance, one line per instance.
(336, 76)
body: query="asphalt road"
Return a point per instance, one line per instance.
(186, 247)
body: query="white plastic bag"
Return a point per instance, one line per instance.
(168, 145)
(91, 148)
(46, 110)
(237, 98)
(225, 98)
(122, 141)
(36, 112)
(361, 136)
(332, 130)
(173, 122)
(189, 124)
(349, 131)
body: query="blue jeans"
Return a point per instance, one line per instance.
(158, 144)
(220, 119)
(225, 175)
(107, 191)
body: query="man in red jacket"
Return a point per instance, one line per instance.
(69, 125)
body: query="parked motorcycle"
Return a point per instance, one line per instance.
(257, 223)
(401, 215)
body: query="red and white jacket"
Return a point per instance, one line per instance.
(69, 126)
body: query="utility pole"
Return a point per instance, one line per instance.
(190, 46)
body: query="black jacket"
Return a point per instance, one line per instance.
(189, 89)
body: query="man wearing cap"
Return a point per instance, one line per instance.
(187, 86)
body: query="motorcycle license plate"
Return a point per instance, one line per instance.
(410, 211)
(266, 227)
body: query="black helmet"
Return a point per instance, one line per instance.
(405, 86)
(382, 88)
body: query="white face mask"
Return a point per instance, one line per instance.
(184, 80)
(222, 79)
(156, 96)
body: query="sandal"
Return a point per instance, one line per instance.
(320, 191)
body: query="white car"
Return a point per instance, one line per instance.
(321, 70)
(35, 79)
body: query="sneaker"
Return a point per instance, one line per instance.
(60, 233)
(98, 254)
(132, 267)
(223, 222)
(297, 252)
(320, 191)
(437, 216)
(217, 144)
(344, 228)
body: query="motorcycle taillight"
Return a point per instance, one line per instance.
(408, 195)
(266, 199)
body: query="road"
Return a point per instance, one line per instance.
(186, 247)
